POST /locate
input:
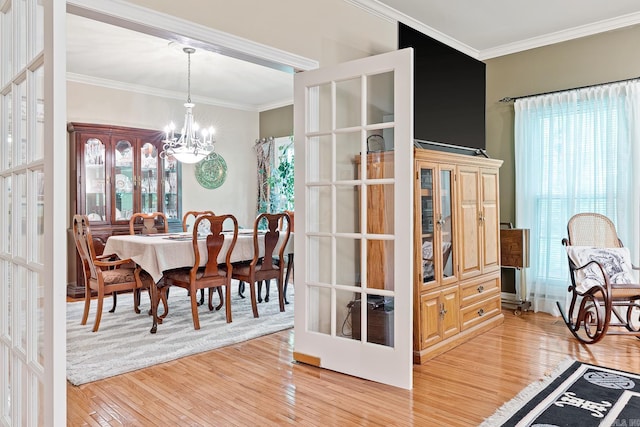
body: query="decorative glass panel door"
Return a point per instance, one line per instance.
(354, 133)
(33, 220)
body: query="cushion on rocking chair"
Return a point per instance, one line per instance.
(616, 262)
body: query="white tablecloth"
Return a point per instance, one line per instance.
(157, 253)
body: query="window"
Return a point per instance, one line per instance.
(573, 153)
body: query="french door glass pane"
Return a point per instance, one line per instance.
(319, 310)
(37, 251)
(348, 273)
(38, 143)
(320, 252)
(348, 103)
(380, 98)
(347, 208)
(319, 220)
(348, 147)
(21, 134)
(20, 198)
(7, 137)
(320, 170)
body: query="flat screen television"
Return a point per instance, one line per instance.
(449, 92)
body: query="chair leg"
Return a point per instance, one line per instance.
(280, 280)
(259, 284)
(201, 297)
(241, 289)
(96, 325)
(227, 290)
(267, 288)
(136, 300)
(194, 309)
(219, 306)
(87, 305)
(115, 302)
(254, 305)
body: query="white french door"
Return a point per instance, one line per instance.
(32, 221)
(354, 217)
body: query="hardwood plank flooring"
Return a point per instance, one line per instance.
(255, 383)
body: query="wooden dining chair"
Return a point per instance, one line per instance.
(212, 275)
(186, 219)
(104, 274)
(152, 223)
(264, 266)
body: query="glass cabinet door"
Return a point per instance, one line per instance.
(124, 180)
(149, 179)
(444, 221)
(171, 189)
(94, 179)
(427, 224)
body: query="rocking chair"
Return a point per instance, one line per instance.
(605, 296)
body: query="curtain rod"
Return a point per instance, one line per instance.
(513, 98)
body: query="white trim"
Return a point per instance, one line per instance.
(561, 36)
(385, 12)
(159, 24)
(382, 11)
(145, 90)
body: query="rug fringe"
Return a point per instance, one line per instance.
(507, 410)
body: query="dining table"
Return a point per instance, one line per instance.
(156, 253)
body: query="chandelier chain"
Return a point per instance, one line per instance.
(189, 77)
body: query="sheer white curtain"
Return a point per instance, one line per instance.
(575, 151)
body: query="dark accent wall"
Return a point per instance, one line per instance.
(449, 91)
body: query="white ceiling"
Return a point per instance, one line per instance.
(111, 56)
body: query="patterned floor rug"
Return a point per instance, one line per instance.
(576, 394)
(123, 342)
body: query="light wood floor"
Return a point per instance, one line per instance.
(256, 384)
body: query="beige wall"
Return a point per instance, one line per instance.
(591, 60)
(277, 122)
(328, 31)
(236, 132)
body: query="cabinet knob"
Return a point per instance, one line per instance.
(480, 289)
(481, 312)
(443, 311)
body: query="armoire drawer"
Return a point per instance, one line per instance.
(479, 312)
(475, 291)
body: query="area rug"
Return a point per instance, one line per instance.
(576, 394)
(123, 342)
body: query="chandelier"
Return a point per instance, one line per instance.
(188, 146)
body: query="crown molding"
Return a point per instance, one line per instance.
(146, 90)
(562, 36)
(385, 12)
(390, 14)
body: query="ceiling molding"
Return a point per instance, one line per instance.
(145, 90)
(562, 36)
(169, 27)
(390, 14)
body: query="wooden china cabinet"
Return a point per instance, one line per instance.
(457, 250)
(118, 171)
